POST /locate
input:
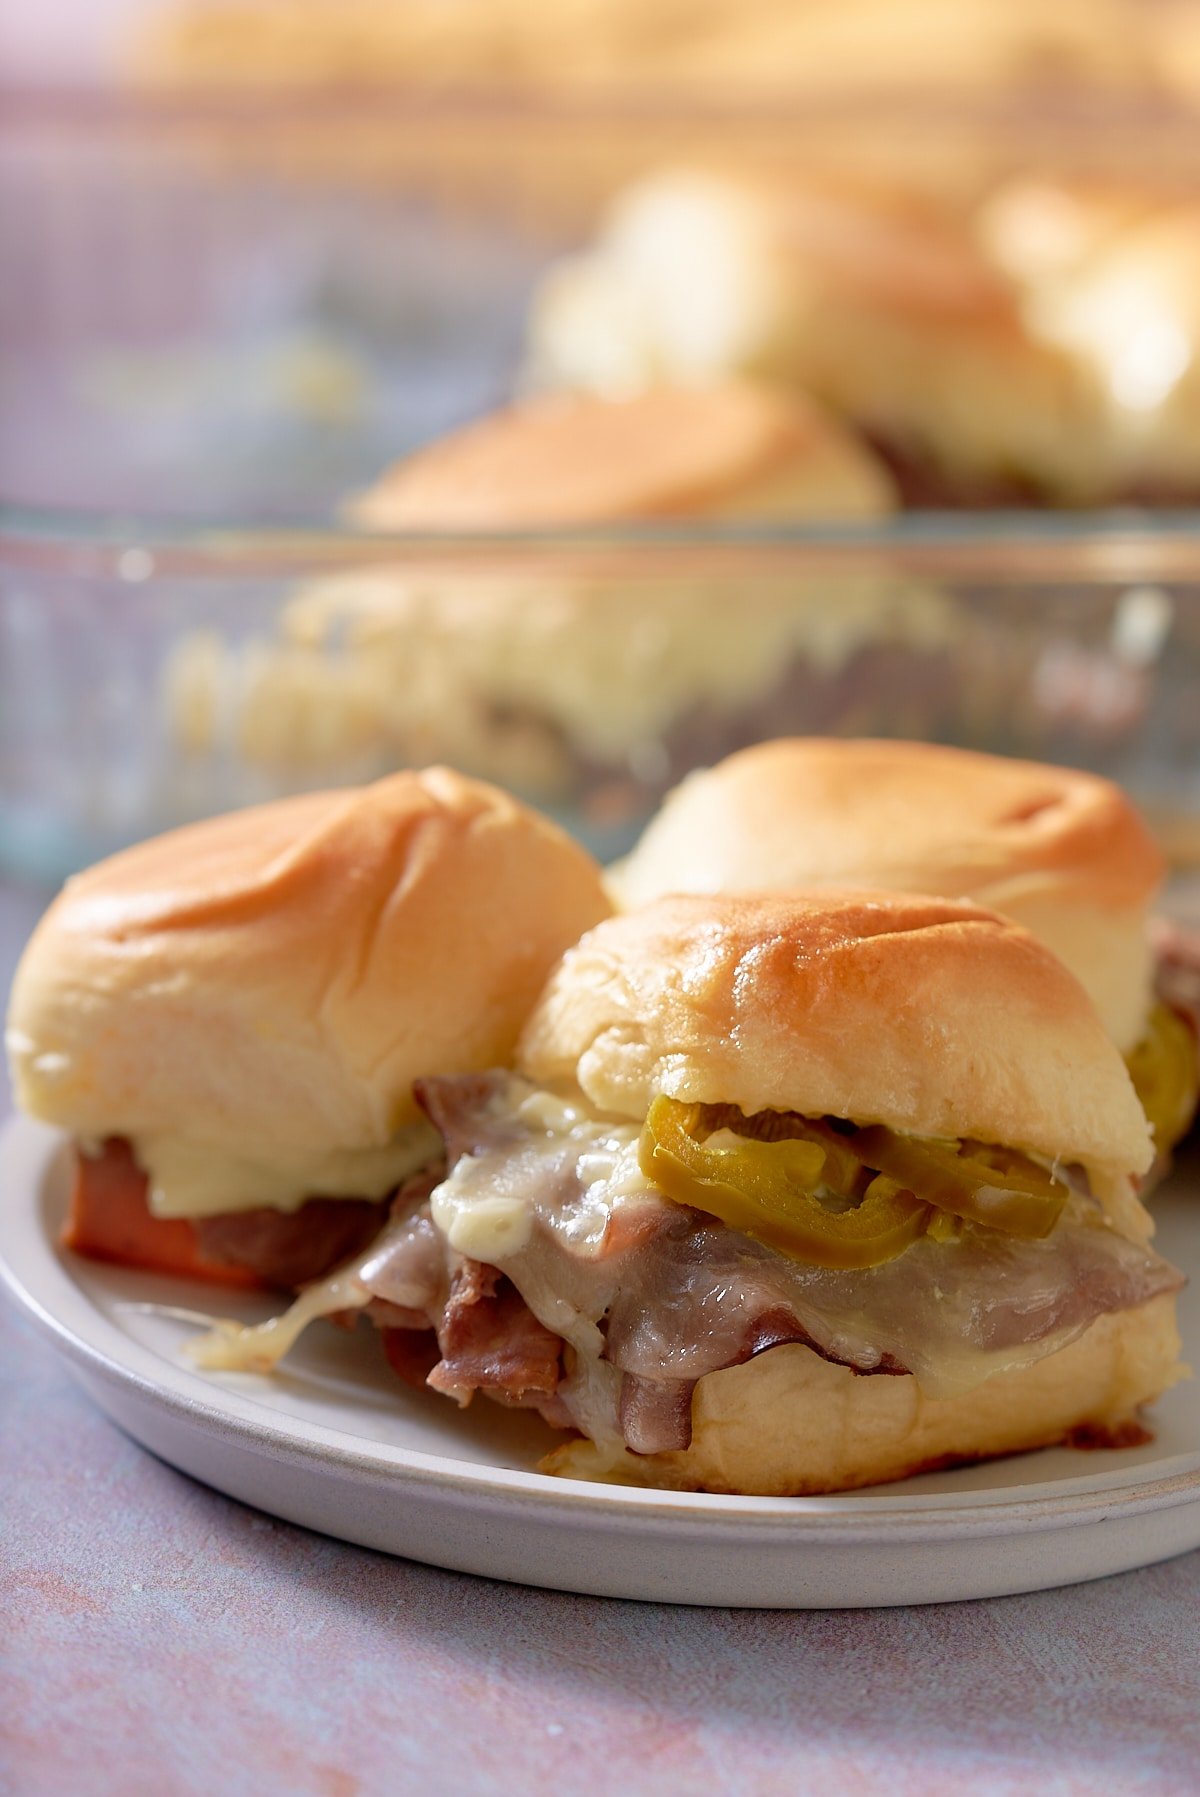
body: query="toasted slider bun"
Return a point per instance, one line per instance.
(543, 674)
(1173, 28)
(933, 1016)
(249, 999)
(733, 450)
(1035, 229)
(939, 46)
(696, 274)
(788, 1423)
(1063, 853)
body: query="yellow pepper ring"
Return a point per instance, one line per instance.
(1017, 1197)
(762, 1176)
(767, 1191)
(1166, 1073)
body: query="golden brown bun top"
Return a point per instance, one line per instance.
(863, 240)
(911, 816)
(270, 983)
(935, 1017)
(575, 459)
(1133, 308)
(879, 302)
(892, 246)
(1063, 853)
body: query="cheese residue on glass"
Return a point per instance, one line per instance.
(371, 666)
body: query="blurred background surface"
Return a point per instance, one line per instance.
(259, 254)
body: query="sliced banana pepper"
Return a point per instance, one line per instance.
(993, 1186)
(1165, 1070)
(839, 1199)
(768, 1191)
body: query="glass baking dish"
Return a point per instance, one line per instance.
(223, 318)
(243, 308)
(145, 680)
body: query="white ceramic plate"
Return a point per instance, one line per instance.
(336, 1443)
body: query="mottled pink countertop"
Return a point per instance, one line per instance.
(160, 1640)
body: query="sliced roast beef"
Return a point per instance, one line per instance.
(452, 1322)
(111, 1219)
(412, 1352)
(464, 1109)
(490, 1340)
(292, 1248)
(655, 1414)
(662, 1294)
(406, 1269)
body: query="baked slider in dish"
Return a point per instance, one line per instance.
(229, 1019)
(1036, 228)
(732, 450)
(1062, 852)
(877, 302)
(610, 47)
(1130, 316)
(788, 1194)
(589, 672)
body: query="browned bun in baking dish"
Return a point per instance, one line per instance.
(878, 302)
(726, 451)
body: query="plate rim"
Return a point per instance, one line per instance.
(104, 1350)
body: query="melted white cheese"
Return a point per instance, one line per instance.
(230, 1347)
(483, 1228)
(539, 1201)
(195, 1179)
(482, 1207)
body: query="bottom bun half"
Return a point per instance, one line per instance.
(789, 1424)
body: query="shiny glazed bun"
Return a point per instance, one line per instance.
(697, 274)
(726, 451)
(932, 1016)
(1063, 853)
(250, 999)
